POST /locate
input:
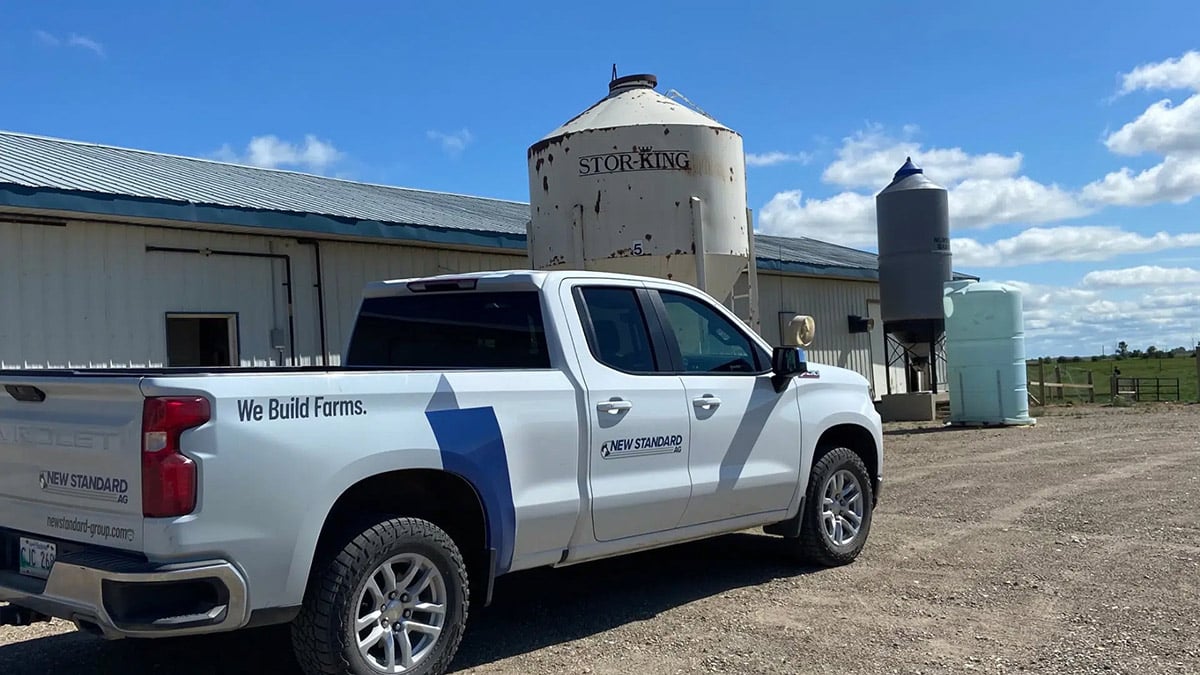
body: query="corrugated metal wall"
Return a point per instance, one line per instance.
(830, 302)
(97, 295)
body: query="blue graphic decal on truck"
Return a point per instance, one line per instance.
(472, 446)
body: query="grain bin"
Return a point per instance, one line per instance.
(985, 354)
(639, 183)
(913, 227)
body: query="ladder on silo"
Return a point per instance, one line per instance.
(750, 274)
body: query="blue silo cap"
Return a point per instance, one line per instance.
(908, 169)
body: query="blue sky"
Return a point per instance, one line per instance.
(1069, 137)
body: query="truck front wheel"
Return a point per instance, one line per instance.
(393, 600)
(837, 509)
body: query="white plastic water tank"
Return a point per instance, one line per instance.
(640, 184)
(985, 354)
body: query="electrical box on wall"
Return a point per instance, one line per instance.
(278, 338)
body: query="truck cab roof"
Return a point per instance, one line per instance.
(501, 279)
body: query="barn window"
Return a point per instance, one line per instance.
(199, 340)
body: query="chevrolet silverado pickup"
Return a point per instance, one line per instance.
(478, 425)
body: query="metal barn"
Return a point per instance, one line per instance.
(113, 257)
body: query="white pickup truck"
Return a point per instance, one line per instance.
(480, 424)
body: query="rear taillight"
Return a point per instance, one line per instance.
(168, 476)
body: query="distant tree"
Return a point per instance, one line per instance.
(1152, 352)
(1095, 359)
(1137, 353)
(1076, 359)
(1122, 348)
(1170, 355)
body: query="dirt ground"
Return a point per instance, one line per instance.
(1072, 546)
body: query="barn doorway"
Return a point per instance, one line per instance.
(201, 340)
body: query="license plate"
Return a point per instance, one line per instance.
(37, 557)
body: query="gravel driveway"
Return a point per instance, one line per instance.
(1072, 546)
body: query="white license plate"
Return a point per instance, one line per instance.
(37, 557)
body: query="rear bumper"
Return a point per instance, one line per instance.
(118, 598)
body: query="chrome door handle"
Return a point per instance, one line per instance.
(707, 401)
(613, 407)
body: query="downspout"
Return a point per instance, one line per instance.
(316, 245)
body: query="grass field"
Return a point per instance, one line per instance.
(1182, 367)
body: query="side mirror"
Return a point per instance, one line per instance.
(786, 363)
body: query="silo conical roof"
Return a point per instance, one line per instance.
(633, 101)
(910, 177)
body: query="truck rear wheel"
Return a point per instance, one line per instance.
(393, 600)
(837, 510)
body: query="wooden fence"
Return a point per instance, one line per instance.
(1057, 389)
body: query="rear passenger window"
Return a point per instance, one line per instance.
(619, 336)
(451, 330)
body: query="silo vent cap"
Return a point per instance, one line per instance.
(641, 81)
(908, 169)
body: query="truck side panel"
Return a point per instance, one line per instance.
(536, 414)
(282, 449)
(828, 399)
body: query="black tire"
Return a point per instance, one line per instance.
(323, 636)
(816, 547)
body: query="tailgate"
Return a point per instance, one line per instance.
(70, 459)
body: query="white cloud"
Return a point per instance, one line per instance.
(1175, 73)
(1064, 243)
(72, 40)
(847, 218)
(870, 158)
(86, 43)
(1165, 298)
(1046, 298)
(984, 190)
(271, 152)
(1062, 320)
(1142, 275)
(1176, 180)
(978, 203)
(776, 157)
(1161, 129)
(453, 143)
(1171, 131)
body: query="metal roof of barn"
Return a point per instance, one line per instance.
(59, 174)
(783, 253)
(54, 174)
